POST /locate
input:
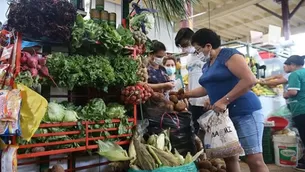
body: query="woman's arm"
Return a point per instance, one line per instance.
(196, 93)
(273, 77)
(161, 86)
(278, 81)
(238, 66)
(274, 80)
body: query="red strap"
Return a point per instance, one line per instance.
(178, 121)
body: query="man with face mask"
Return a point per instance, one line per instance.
(195, 62)
(158, 80)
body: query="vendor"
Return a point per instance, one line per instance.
(158, 80)
(194, 67)
(227, 80)
(296, 97)
(169, 64)
(276, 80)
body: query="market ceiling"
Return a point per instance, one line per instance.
(233, 19)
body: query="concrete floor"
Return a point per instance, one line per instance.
(272, 168)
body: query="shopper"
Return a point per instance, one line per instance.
(194, 68)
(169, 64)
(296, 96)
(157, 78)
(227, 80)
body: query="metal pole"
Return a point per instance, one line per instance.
(185, 22)
(285, 18)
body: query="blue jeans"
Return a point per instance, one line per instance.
(250, 128)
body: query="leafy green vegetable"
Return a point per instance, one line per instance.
(115, 110)
(25, 78)
(87, 31)
(126, 71)
(94, 110)
(70, 116)
(127, 37)
(56, 112)
(76, 70)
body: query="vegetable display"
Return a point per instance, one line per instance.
(87, 32)
(127, 36)
(58, 113)
(33, 69)
(76, 70)
(95, 111)
(136, 94)
(139, 37)
(125, 70)
(142, 70)
(43, 18)
(147, 155)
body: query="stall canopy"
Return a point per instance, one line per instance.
(234, 19)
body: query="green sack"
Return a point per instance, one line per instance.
(191, 167)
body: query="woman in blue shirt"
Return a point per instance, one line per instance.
(227, 81)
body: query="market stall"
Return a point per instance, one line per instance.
(71, 86)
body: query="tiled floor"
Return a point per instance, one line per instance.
(272, 168)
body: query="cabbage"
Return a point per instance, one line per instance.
(70, 116)
(115, 110)
(56, 112)
(94, 110)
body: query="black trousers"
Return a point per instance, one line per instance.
(299, 122)
(197, 111)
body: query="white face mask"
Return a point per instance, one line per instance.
(190, 50)
(203, 57)
(158, 61)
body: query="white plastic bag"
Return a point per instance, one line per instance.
(220, 140)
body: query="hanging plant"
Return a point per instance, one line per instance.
(172, 10)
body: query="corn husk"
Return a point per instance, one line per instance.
(188, 158)
(167, 158)
(144, 159)
(132, 152)
(112, 151)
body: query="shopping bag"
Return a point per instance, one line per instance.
(220, 140)
(33, 109)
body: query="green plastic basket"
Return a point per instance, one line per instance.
(191, 167)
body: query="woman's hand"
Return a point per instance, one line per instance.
(220, 106)
(169, 85)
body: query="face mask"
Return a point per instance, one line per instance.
(170, 70)
(190, 50)
(158, 61)
(203, 57)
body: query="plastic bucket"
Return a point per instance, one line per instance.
(285, 150)
(279, 122)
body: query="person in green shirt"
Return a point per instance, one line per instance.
(296, 96)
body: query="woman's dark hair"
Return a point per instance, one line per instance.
(206, 36)
(157, 46)
(184, 34)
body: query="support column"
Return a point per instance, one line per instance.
(186, 22)
(285, 18)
